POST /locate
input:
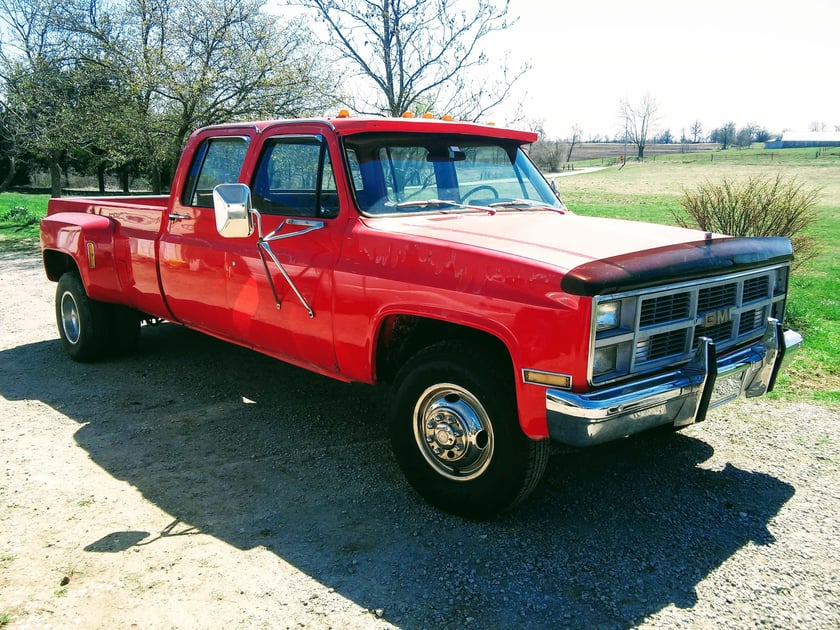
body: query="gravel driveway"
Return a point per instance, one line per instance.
(200, 485)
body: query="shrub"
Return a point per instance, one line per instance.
(758, 206)
(18, 216)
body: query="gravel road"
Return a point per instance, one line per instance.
(200, 485)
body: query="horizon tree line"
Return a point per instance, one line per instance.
(116, 86)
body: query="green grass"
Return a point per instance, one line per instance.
(651, 191)
(20, 215)
(825, 157)
(758, 156)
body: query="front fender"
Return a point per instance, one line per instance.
(87, 239)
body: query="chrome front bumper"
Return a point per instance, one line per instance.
(679, 397)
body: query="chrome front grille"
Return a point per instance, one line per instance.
(756, 289)
(717, 297)
(667, 308)
(661, 345)
(657, 328)
(720, 334)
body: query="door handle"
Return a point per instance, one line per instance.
(174, 216)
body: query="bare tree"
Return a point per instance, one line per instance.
(696, 130)
(637, 121)
(573, 140)
(417, 54)
(744, 137)
(548, 154)
(725, 135)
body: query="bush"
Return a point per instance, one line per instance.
(18, 216)
(758, 206)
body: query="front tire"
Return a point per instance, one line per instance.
(455, 431)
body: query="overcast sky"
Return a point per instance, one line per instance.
(772, 62)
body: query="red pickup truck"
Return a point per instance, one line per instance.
(430, 256)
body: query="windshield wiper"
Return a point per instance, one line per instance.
(425, 203)
(443, 204)
(519, 203)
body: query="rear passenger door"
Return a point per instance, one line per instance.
(294, 189)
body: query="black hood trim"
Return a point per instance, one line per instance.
(673, 263)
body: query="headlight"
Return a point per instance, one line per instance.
(607, 315)
(780, 284)
(605, 360)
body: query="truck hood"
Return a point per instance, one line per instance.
(596, 256)
(562, 240)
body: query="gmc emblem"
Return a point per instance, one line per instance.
(715, 318)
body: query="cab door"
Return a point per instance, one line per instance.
(281, 296)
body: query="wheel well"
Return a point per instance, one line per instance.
(402, 336)
(58, 263)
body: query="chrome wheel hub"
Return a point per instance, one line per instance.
(70, 317)
(453, 432)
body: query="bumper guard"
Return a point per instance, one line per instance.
(679, 397)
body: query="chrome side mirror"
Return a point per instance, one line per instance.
(232, 205)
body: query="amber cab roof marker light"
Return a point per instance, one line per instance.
(408, 115)
(344, 113)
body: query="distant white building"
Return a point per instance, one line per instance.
(794, 139)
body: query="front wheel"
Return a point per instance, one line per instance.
(455, 433)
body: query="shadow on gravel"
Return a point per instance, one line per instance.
(257, 453)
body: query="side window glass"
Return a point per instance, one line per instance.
(216, 161)
(295, 177)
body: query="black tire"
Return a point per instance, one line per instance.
(455, 432)
(125, 329)
(84, 325)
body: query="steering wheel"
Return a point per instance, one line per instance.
(471, 192)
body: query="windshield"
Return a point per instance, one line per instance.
(414, 172)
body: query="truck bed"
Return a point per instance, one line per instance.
(105, 205)
(121, 233)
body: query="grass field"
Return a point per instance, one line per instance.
(19, 217)
(651, 191)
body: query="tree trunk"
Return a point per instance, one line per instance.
(100, 177)
(7, 180)
(156, 179)
(124, 179)
(55, 178)
(571, 148)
